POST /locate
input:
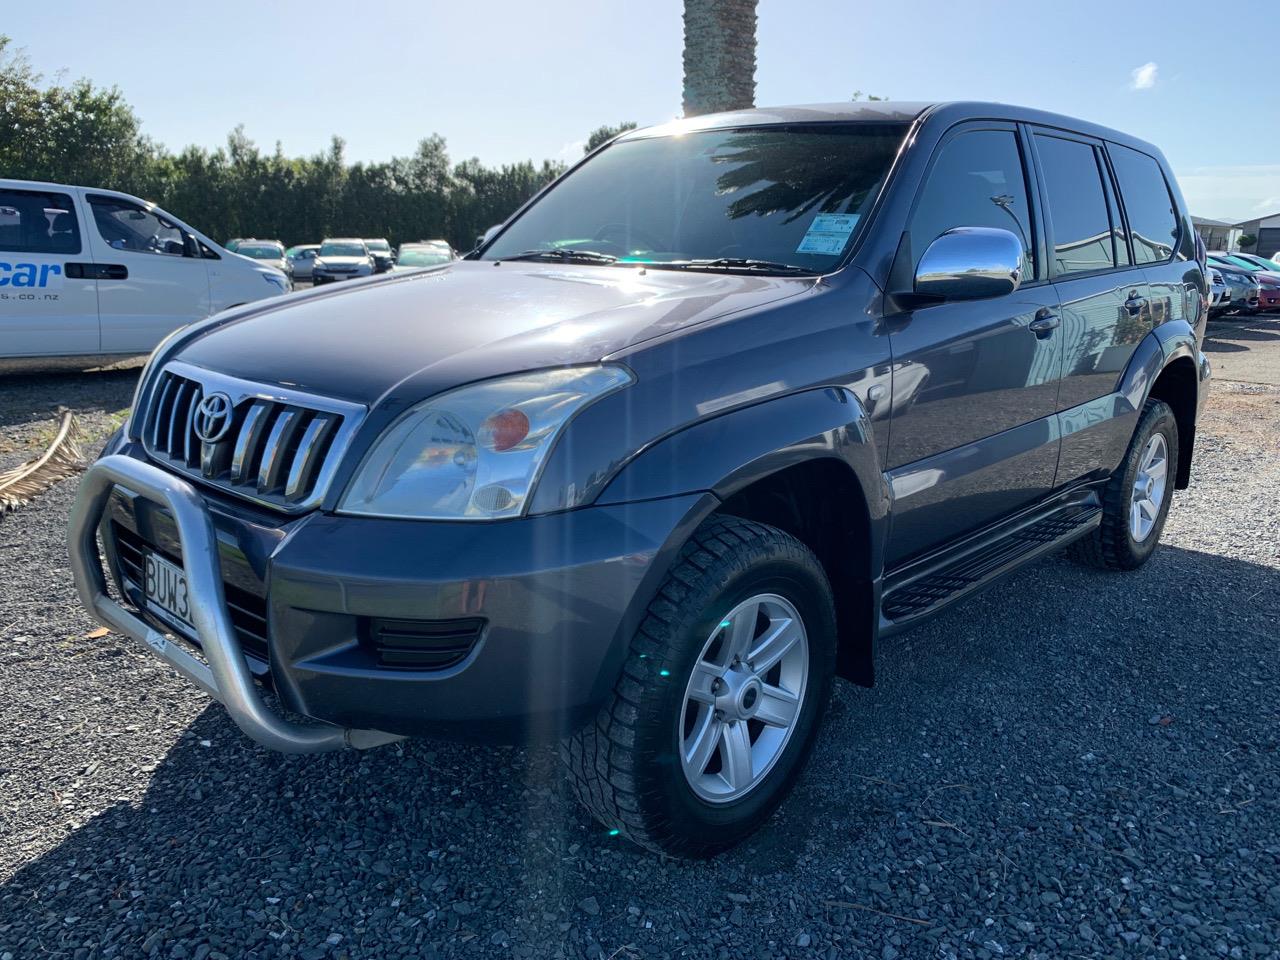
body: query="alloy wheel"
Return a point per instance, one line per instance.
(744, 698)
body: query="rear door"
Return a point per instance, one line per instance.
(1105, 299)
(46, 309)
(152, 278)
(973, 435)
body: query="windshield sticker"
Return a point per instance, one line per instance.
(828, 233)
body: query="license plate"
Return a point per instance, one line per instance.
(166, 587)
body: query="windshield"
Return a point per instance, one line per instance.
(379, 245)
(788, 195)
(259, 252)
(422, 256)
(339, 249)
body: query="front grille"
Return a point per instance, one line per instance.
(248, 611)
(420, 644)
(278, 448)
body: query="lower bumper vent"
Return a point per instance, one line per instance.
(420, 644)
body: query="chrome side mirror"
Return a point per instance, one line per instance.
(488, 235)
(970, 263)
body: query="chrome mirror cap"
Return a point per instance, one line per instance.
(970, 263)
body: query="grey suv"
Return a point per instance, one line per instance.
(723, 407)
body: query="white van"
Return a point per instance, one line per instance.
(86, 272)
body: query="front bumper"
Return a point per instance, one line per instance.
(557, 597)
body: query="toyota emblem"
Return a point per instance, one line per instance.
(213, 417)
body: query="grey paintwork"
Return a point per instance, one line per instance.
(948, 417)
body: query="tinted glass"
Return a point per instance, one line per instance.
(423, 256)
(791, 195)
(127, 226)
(260, 251)
(1152, 218)
(32, 221)
(1078, 215)
(342, 250)
(976, 181)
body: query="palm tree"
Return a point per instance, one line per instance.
(719, 55)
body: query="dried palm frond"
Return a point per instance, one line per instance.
(63, 459)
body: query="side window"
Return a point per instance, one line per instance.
(127, 226)
(32, 221)
(1078, 215)
(1152, 217)
(977, 180)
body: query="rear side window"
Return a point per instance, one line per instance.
(1079, 219)
(127, 226)
(977, 180)
(1153, 221)
(33, 221)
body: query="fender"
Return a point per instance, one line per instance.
(1172, 342)
(725, 454)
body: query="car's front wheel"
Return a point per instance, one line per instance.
(720, 698)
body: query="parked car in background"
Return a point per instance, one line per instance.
(1262, 263)
(383, 258)
(426, 253)
(233, 244)
(1245, 289)
(269, 252)
(87, 272)
(632, 477)
(301, 258)
(1264, 271)
(344, 258)
(1218, 291)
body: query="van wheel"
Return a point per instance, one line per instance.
(720, 698)
(1135, 502)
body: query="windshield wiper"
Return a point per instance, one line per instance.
(734, 263)
(567, 256)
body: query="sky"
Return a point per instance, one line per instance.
(504, 80)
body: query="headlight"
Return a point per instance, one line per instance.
(277, 280)
(475, 452)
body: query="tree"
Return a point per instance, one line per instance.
(1246, 241)
(602, 135)
(719, 55)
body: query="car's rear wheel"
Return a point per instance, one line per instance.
(720, 698)
(1136, 500)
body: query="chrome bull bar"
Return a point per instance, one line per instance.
(226, 676)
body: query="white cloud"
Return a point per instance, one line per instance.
(1144, 77)
(571, 151)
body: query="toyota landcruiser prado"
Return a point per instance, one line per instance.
(722, 408)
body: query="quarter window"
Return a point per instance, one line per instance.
(977, 180)
(127, 226)
(1078, 213)
(33, 221)
(1153, 220)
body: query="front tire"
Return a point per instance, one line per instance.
(1136, 500)
(720, 698)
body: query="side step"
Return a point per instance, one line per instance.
(929, 584)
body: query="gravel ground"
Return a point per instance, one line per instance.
(1078, 764)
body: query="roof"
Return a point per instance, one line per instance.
(886, 111)
(1210, 222)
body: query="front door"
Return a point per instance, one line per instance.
(151, 280)
(973, 435)
(45, 310)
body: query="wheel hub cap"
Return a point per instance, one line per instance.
(743, 698)
(1147, 496)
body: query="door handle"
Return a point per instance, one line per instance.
(1044, 323)
(97, 271)
(1135, 304)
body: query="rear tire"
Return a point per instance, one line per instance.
(698, 745)
(1135, 501)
